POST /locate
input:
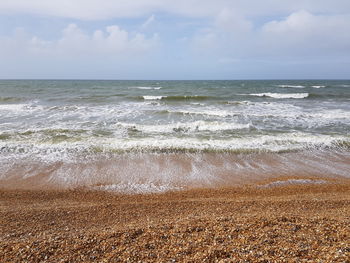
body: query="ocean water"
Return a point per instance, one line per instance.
(151, 136)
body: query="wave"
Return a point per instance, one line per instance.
(9, 99)
(318, 86)
(12, 107)
(187, 127)
(272, 110)
(177, 98)
(331, 115)
(189, 97)
(158, 172)
(20, 108)
(71, 151)
(328, 96)
(214, 112)
(153, 97)
(242, 102)
(281, 95)
(292, 86)
(147, 88)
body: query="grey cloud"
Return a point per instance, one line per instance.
(94, 9)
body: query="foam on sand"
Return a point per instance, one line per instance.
(293, 182)
(146, 172)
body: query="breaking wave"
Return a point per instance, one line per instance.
(147, 88)
(138, 136)
(177, 98)
(196, 126)
(282, 95)
(9, 99)
(291, 86)
(68, 151)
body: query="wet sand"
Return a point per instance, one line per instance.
(294, 223)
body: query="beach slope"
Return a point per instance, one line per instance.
(275, 224)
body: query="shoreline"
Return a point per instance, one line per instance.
(147, 172)
(290, 222)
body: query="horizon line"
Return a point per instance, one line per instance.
(110, 79)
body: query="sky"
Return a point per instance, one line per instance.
(182, 39)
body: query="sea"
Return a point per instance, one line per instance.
(156, 136)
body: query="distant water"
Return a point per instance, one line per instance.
(141, 136)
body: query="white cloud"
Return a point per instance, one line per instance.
(200, 32)
(112, 41)
(300, 34)
(111, 52)
(305, 33)
(230, 34)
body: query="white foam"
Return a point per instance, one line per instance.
(273, 143)
(243, 102)
(277, 113)
(210, 112)
(281, 95)
(148, 173)
(75, 151)
(86, 147)
(19, 108)
(291, 86)
(293, 182)
(331, 115)
(136, 188)
(12, 107)
(318, 87)
(147, 88)
(196, 126)
(153, 97)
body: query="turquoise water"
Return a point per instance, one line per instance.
(72, 121)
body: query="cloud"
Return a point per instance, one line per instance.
(112, 41)
(148, 22)
(229, 35)
(197, 36)
(74, 42)
(111, 52)
(94, 9)
(308, 33)
(231, 21)
(301, 34)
